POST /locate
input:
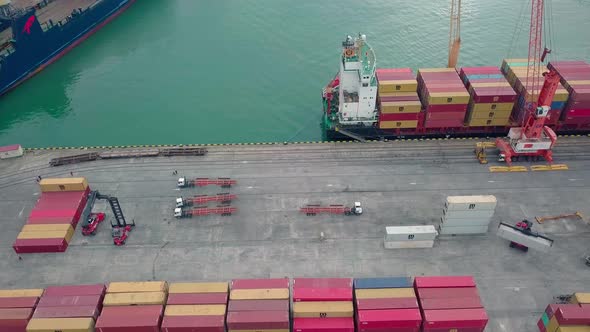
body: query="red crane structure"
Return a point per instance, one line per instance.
(534, 139)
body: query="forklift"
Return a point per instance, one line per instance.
(120, 228)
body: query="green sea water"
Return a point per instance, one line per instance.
(225, 71)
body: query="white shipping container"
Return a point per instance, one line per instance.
(476, 202)
(408, 244)
(468, 222)
(465, 214)
(410, 233)
(446, 230)
(532, 242)
(11, 151)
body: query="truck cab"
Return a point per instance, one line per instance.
(179, 202)
(181, 182)
(178, 213)
(357, 209)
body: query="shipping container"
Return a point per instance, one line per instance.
(445, 116)
(96, 289)
(458, 230)
(489, 115)
(451, 303)
(444, 124)
(14, 319)
(71, 220)
(388, 319)
(259, 294)
(29, 292)
(322, 294)
(67, 312)
(442, 293)
(437, 70)
(258, 305)
(399, 116)
(573, 329)
(198, 287)
(260, 283)
(65, 234)
(391, 303)
(29, 246)
(198, 298)
(193, 324)
(408, 244)
(128, 324)
(137, 286)
(398, 86)
(322, 309)
(195, 310)
(398, 124)
(489, 122)
(580, 298)
(383, 293)
(63, 184)
(46, 228)
(401, 107)
(494, 95)
(11, 151)
(400, 96)
(124, 299)
(257, 320)
(444, 282)
(386, 282)
(462, 214)
(572, 316)
(322, 283)
(465, 222)
(455, 319)
(552, 308)
(452, 108)
(19, 302)
(136, 310)
(410, 233)
(323, 325)
(61, 324)
(70, 300)
(453, 98)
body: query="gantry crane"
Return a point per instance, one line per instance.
(533, 139)
(455, 33)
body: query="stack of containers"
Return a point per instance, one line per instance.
(67, 302)
(548, 316)
(581, 299)
(16, 308)
(449, 303)
(492, 97)
(467, 214)
(515, 71)
(399, 105)
(386, 304)
(575, 77)
(52, 222)
(444, 96)
(133, 306)
(566, 318)
(197, 306)
(260, 305)
(323, 304)
(405, 237)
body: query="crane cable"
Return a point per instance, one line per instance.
(517, 28)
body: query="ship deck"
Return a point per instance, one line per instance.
(398, 183)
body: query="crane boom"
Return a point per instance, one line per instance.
(455, 33)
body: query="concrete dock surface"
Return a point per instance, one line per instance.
(398, 183)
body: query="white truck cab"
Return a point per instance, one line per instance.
(178, 212)
(358, 208)
(179, 202)
(182, 182)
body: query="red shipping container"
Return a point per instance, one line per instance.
(197, 298)
(121, 323)
(397, 117)
(451, 303)
(493, 95)
(322, 283)
(67, 312)
(459, 108)
(552, 308)
(439, 116)
(443, 293)
(15, 320)
(193, 324)
(18, 302)
(135, 310)
(585, 305)
(322, 294)
(67, 200)
(395, 76)
(259, 283)
(580, 94)
(438, 76)
(541, 326)
(257, 320)
(581, 120)
(61, 301)
(96, 289)
(393, 70)
(443, 124)
(444, 282)
(323, 325)
(438, 320)
(388, 319)
(57, 220)
(393, 303)
(573, 316)
(480, 70)
(53, 214)
(258, 305)
(29, 246)
(385, 99)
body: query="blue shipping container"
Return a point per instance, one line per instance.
(392, 282)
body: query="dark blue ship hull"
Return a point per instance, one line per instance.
(35, 49)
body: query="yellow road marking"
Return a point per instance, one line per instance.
(498, 169)
(556, 167)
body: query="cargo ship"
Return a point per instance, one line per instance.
(365, 102)
(34, 34)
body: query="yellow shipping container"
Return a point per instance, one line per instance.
(195, 310)
(137, 286)
(326, 309)
(198, 287)
(574, 328)
(488, 122)
(145, 298)
(63, 184)
(553, 325)
(448, 98)
(63, 234)
(383, 293)
(580, 298)
(61, 324)
(397, 94)
(489, 115)
(398, 124)
(436, 70)
(32, 292)
(401, 107)
(260, 294)
(490, 85)
(46, 228)
(496, 107)
(398, 86)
